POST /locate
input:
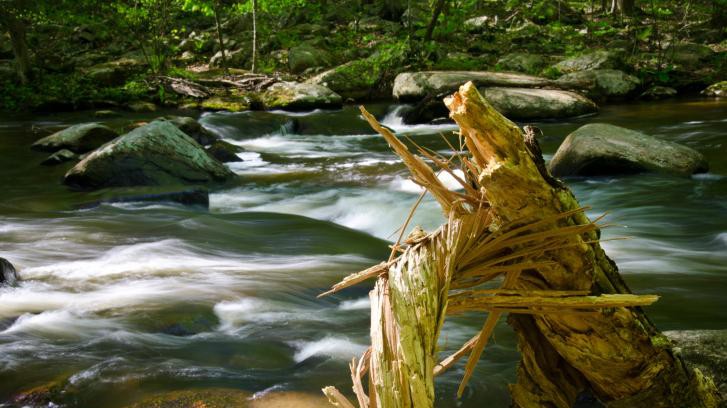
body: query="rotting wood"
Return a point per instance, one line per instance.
(579, 327)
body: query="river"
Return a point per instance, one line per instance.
(124, 300)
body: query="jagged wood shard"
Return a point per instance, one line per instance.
(579, 326)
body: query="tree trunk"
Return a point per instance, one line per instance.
(218, 26)
(719, 14)
(618, 355)
(18, 29)
(438, 7)
(625, 7)
(254, 36)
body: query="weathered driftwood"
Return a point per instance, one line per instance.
(579, 328)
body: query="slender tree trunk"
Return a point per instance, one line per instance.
(438, 7)
(219, 37)
(18, 30)
(254, 36)
(719, 14)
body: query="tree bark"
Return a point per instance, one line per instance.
(218, 26)
(18, 30)
(438, 7)
(618, 355)
(254, 36)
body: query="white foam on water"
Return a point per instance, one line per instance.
(336, 347)
(408, 186)
(363, 303)
(395, 121)
(722, 238)
(61, 324)
(234, 314)
(707, 176)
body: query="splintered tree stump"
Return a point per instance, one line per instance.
(580, 329)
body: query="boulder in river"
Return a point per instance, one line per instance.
(658, 92)
(154, 154)
(602, 149)
(225, 152)
(718, 89)
(195, 195)
(300, 96)
(593, 60)
(601, 83)
(193, 129)
(705, 350)
(414, 86)
(59, 157)
(78, 138)
(514, 103)
(8, 274)
(529, 104)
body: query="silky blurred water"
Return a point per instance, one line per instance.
(123, 300)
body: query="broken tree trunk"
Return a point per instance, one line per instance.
(618, 353)
(579, 327)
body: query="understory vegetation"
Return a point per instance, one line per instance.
(87, 54)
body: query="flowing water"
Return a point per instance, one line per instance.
(124, 300)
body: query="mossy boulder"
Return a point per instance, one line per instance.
(115, 72)
(603, 149)
(156, 154)
(356, 79)
(601, 84)
(689, 54)
(79, 138)
(306, 56)
(300, 96)
(192, 128)
(414, 86)
(594, 60)
(658, 92)
(230, 397)
(227, 103)
(719, 89)
(705, 350)
(225, 152)
(141, 106)
(59, 157)
(522, 62)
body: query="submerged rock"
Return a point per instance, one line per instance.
(527, 104)
(59, 157)
(300, 96)
(78, 138)
(225, 152)
(197, 196)
(514, 103)
(414, 86)
(718, 89)
(602, 149)
(705, 350)
(193, 129)
(155, 154)
(8, 274)
(601, 83)
(594, 60)
(227, 103)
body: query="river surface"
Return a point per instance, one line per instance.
(124, 300)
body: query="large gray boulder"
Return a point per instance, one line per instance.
(78, 138)
(594, 60)
(602, 149)
(300, 96)
(306, 56)
(601, 83)
(8, 275)
(528, 104)
(705, 350)
(514, 103)
(153, 155)
(414, 86)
